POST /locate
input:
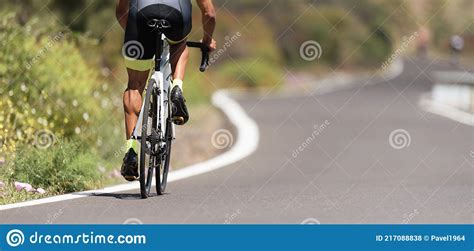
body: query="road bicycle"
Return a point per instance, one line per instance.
(155, 130)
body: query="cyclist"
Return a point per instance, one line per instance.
(139, 50)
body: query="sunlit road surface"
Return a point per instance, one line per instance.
(368, 154)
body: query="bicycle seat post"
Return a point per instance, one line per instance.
(159, 50)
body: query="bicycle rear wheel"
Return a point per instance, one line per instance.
(149, 140)
(164, 162)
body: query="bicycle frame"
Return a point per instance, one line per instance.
(161, 77)
(154, 136)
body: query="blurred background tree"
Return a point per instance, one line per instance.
(351, 32)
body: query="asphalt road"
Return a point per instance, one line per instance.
(322, 158)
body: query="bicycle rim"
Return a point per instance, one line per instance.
(163, 167)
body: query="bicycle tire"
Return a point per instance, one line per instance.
(146, 172)
(161, 174)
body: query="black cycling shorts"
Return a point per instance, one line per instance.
(140, 40)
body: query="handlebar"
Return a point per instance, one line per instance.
(205, 53)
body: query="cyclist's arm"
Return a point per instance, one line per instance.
(121, 12)
(208, 21)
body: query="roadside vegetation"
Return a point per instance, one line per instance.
(62, 75)
(57, 119)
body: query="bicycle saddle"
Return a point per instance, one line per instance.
(159, 24)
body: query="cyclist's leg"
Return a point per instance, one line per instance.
(181, 23)
(132, 98)
(179, 56)
(132, 102)
(138, 51)
(178, 14)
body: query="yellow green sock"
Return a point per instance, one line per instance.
(133, 144)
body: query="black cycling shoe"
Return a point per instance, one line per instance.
(179, 112)
(130, 166)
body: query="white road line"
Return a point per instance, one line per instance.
(246, 143)
(436, 106)
(454, 76)
(446, 111)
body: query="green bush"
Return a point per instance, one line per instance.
(62, 168)
(47, 84)
(50, 83)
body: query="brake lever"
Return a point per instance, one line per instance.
(204, 54)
